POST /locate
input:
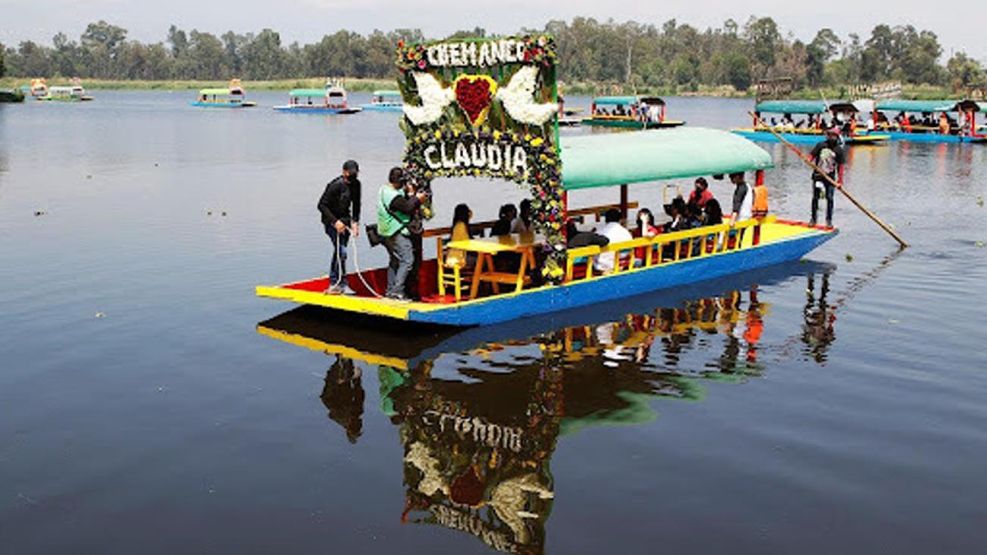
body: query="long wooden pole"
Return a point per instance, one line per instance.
(833, 182)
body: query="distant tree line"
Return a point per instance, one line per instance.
(671, 55)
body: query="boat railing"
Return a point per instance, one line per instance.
(665, 248)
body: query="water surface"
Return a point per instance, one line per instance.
(149, 402)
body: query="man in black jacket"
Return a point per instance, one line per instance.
(340, 209)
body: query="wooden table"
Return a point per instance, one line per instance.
(485, 249)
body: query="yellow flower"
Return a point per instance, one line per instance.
(438, 134)
(496, 135)
(537, 142)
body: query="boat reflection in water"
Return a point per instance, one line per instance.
(480, 411)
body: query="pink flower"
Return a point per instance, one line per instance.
(421, 64)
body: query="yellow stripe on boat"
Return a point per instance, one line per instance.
(333, 348)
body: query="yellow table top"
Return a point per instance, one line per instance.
(515, 242)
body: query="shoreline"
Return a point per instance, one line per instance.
(915, 92)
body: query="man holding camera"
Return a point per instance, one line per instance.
(340, 209)
(396, 206)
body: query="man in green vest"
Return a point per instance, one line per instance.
(395, 207)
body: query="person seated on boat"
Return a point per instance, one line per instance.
(505, 261)
(701, 194)
(712, 213)
(944, 124)
(693, 216)
(615, 233)
(505, 221)
(522, 223)
(645, 224)
(460, 232)
(800, 124)
(576, 238)
(676, 210)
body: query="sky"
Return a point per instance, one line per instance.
(308, 20)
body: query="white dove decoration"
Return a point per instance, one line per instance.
(518, 98)
(434, 99)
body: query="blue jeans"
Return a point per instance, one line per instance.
(337, 268)
(830, 194)
(402, 256)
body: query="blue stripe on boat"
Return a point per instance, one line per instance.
(554, 298)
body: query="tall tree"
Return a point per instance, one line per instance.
(765, 40)
(101, 43)
(818, 53)
(964, 71)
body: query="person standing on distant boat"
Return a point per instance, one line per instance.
(829, 157)
(340, 210)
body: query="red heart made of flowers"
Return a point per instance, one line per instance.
(474, 94)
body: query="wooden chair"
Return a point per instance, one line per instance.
(452, 275)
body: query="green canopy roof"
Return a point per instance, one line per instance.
(307, 92)
(614, 100)
(601, 160)
(923, 106)
(792, 107)
(387, 93)
(215, 91)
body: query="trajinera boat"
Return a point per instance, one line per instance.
(69, 93)
(448, 135)
(231, 97)
(898, 118)
(330, 100)
(631, 112)
(39, 87)
(11, 95)
(384, 101)
(810, 130)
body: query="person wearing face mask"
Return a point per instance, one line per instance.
(340, 207)
(829, 157)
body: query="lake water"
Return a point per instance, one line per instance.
(150, 403)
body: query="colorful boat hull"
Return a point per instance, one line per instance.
(300, 109)
(934, 138)
(810, 138)
(11, 95)
(200, 104)
(502, 308)
(631, 124)
(382, 107)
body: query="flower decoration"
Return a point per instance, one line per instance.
(460, 121)
(474, 94)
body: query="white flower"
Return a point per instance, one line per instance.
(434, 99)
(518, 98)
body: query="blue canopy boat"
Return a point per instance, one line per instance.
(384, 101)
(901, 127)
(234, 96)
(630, 112)
(672, 259)
(811, 133)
